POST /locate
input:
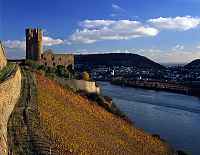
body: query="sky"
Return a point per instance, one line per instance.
(166, 31)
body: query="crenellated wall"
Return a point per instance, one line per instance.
(9, 95)
(3, 60)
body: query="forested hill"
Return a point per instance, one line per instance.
(194, 64)
(121, 59)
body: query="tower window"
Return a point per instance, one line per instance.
(54, 64)
(52, 58)
(42, 56)
(45, 64)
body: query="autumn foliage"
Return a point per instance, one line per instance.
(81, 127)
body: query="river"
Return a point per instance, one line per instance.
(175, 117)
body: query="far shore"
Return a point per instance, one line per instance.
(158, 86)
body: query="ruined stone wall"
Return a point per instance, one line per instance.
(3, 60)
(9, 95)
(50, 59)
(88, 86)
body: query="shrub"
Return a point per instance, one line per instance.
(179, 152)
(6, 71)
(85, 76)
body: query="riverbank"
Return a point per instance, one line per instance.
(173, 116)
(158, 86)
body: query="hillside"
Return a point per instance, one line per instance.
(125, 59)
(194, 64)
(79, 126)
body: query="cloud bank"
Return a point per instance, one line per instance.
(98, 30)
(177, 23)
(91, 31)
(19, 44)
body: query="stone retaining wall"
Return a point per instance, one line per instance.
(9, 95)
(88, 86)
(3, 60)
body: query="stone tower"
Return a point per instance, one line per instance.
(34, 47)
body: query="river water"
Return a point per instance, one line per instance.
(175, 117)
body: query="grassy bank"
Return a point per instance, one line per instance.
(6, 71)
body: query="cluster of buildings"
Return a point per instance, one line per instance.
(107, 73)
(180, 73)
(173, 74)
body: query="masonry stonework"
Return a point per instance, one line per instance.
(87, 86)
(34, 51)
(34, 44)
(48, 58)
(3, 60)
(9, 95)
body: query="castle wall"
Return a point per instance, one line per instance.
(88, 86)
(3, 60)
(53, 60)
(9, 95)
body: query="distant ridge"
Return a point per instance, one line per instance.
(123, 59)
(193, 65)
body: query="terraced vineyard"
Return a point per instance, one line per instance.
(24, 130)
(51, 120)
(82, 127)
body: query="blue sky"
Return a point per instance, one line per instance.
(165, 31)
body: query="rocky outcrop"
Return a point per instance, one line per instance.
(3, 60)
(9, 95)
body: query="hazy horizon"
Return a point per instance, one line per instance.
(21, 55)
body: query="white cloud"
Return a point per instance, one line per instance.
(118, 11)
(99, 30)
(48, 41)
(117, 7)
(178, 47)
(170, 56)
(177, 23)
(198, 46)
(15, 44)
(90, 24)
(19, 44)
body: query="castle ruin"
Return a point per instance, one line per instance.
(34, 51)
(34, 44)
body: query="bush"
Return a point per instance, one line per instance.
(179, 152)
(86, 76)
(6, 71)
